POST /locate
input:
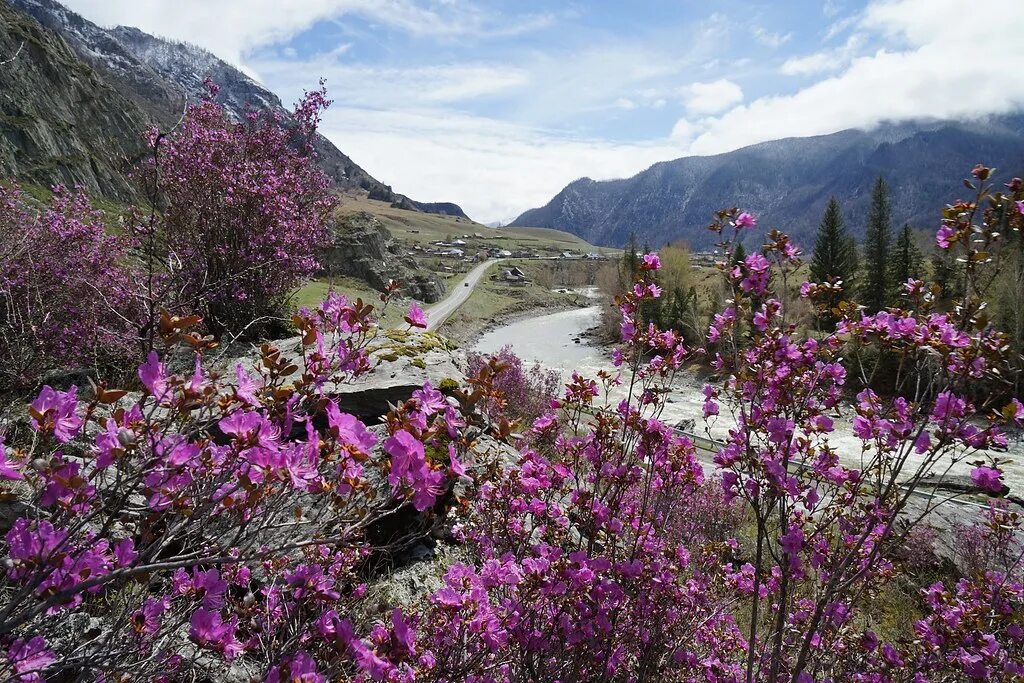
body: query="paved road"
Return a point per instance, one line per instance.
(440, 311)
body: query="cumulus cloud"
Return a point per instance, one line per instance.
(945, 64)
(712, 97)
(809, 64)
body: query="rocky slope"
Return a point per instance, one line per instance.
(157, 76)
(788, 182)
(60, 121)
(363, 248)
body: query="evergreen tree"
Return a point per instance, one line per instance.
(875, 290)
(630, 258)
(853, 260)
(946, 274)
(906, 262)
(740, 254)
(834, 253)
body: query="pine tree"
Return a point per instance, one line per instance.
(906, 262)
(853, 260)
(875, 291)
(947, 275)
(740, 254)
(630, 258)
(834, 252)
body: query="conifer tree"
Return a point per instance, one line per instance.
(906, 262)
(834, 251)
(630, 258)
(740, 254)
(875, 290)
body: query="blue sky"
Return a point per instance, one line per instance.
(497, 105)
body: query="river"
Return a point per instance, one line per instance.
(550, 340)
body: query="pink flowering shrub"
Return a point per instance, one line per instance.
(218, 518)
(991, 544)
(584, 573)
(526, 391)
(242, 207)
(63, 293)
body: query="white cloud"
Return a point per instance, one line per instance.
(493, 170)
(809, 64)
(770, 39)
(392, 87)
(232, 28)
(624, 103)
(712, 97)
(947, 66)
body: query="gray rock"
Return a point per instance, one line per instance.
(361, 247)
(402, 362)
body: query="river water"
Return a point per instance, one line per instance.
(550, 340)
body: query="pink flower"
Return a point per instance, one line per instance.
(349, 431)
(923, 442)
(7, 470)
(416, 317)
(745, 220)
(944, 237)
(457, 467)
(124, 552)
(29, 658)
(987, 478)
(409, 465)
(301, 669)
(147, 620)
(153, 375)
(651, 262)
(543, 422)
(404, 634)
(55, 410)
(247, 387)
(430, 399)
(1020, 206)
(209, 630)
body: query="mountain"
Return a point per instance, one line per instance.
(156, 76)
(60, 122)
(787, 183)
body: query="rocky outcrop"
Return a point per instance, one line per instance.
(402, 362)
(361, 247)
(60, 123)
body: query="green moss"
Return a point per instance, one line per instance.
(448, 385)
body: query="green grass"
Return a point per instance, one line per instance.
(313, 292)
(412, 227)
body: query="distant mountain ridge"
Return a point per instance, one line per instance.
(788, 182)
(157, 76)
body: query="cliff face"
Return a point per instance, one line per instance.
(363, 248)
(132, 79)
(60, 122)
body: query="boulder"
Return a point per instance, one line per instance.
(402, 362)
